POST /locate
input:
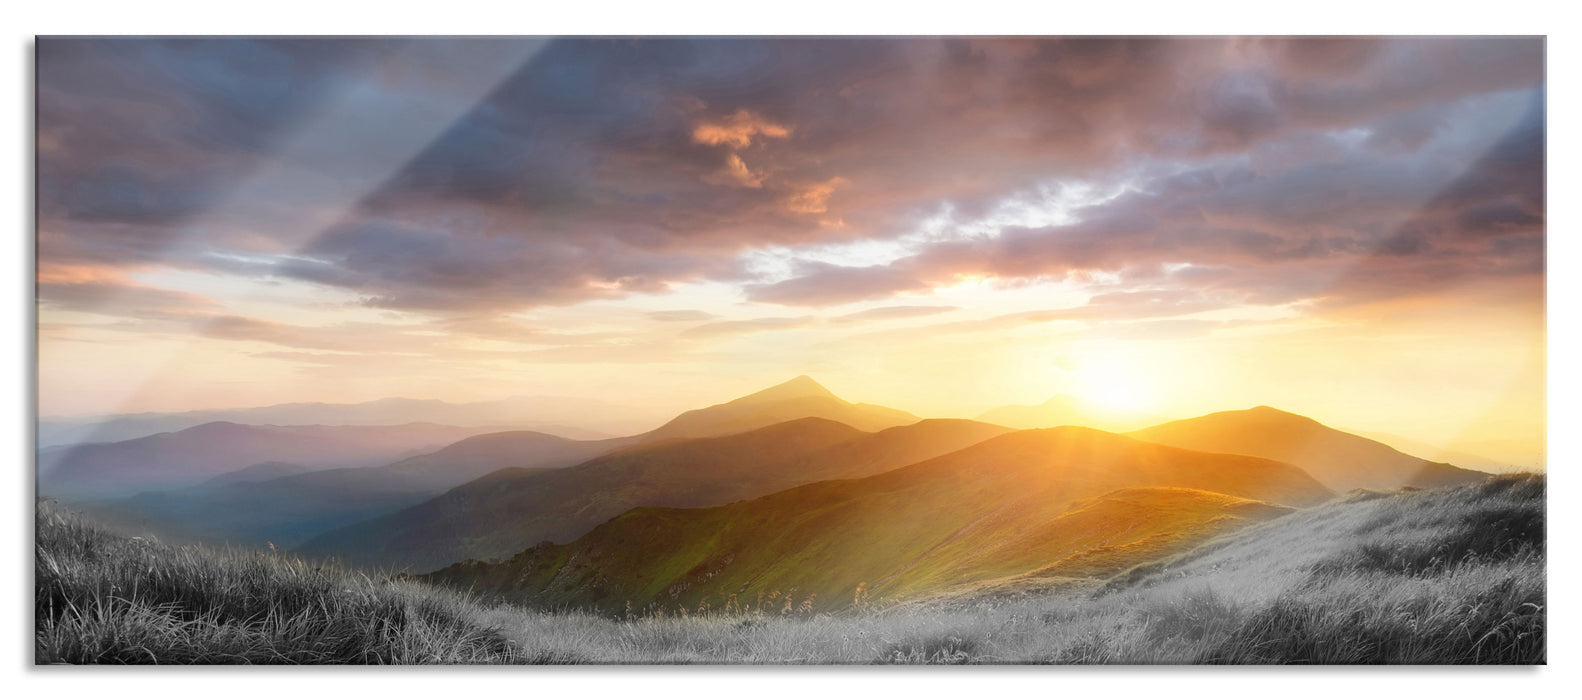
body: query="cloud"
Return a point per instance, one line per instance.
(814, 199)
(887, 313)
(400, 266)
(105, 291)
(735, 172)
(260, 330)
(603, 169)
(824, 284)
(737, 130)
(681, 315)
(756, 325)
(1353, 228)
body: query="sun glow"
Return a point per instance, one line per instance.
(1115, 386)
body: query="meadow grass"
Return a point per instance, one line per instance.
(100, 598)
(1414, 577)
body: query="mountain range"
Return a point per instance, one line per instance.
(250, 507)
(1059, 502)
(510, 511)
(800, 397)
(563, 416)
(788, 491)
(187, 457)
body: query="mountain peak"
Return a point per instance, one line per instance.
(801, 386)
(1270, 412)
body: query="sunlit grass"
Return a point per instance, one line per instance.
(1423, 577)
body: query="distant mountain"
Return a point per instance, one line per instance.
(578, 419)
(187, 457)
(289, 509)
(801, 397)
(1442, 453)
(1339, 460)
(1072, 502)
(505, 512)
(1069, 410)
(263, 471)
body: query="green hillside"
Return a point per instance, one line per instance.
(1087, 501)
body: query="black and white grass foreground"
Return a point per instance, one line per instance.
(1412, 577)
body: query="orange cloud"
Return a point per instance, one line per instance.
(735, 172)
(738, 130)
(59, 273)
(814, 199)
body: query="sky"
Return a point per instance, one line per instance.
(1352, 229)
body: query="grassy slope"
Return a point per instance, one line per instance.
(508, 512)
(101, 598)
(1438, 577)
(999, 508)
(1454, 576)
(1338, 459)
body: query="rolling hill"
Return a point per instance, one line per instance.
(1059, 502)
(801, 397)
(1339, 460)
(291, 508)
(506, 512)
(1068, 410)
(188, 457)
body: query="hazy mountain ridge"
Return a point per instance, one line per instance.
(504, 513)
(185, 458)
(1340, 460)
(542, 414)
(1446, 454)
(798, 398)
(289, 509)
(293, 507)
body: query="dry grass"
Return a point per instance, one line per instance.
(1424, 577)
(106, 599)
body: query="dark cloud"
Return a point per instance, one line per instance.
(822, 284)
(1351, 228)
(607, 167)
(398, 265)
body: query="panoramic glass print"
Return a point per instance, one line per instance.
(774, 350)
